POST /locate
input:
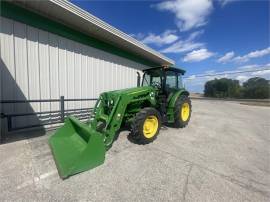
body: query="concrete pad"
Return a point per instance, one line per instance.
(222, 155)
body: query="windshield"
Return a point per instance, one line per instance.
(152, 78)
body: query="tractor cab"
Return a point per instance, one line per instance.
(169, 86)
(167, 80)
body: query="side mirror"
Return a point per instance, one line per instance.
(138, 79)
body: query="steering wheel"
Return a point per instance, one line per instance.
(156, 84)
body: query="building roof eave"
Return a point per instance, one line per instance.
(79, 19)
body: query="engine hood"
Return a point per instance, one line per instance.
(131, 90)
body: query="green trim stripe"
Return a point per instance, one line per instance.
(25, 16)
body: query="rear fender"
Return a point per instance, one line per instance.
(171, 103)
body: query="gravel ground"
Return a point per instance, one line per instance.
(222, 155)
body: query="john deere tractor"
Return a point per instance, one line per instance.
(160, 99)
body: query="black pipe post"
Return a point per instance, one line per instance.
(138, 79)
(62, 108)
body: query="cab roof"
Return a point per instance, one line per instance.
(174, 69)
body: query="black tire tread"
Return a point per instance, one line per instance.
(178, 105)
(136, 127)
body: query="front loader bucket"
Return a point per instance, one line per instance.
(76, 147)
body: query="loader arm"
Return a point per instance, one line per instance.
(115, 118)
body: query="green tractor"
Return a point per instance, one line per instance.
(161, 99)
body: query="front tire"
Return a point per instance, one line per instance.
(182, 111)
(146, 125)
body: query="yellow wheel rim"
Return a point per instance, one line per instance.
(150, 126)
(185, 111)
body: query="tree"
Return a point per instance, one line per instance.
(256, 88)
(222, 88)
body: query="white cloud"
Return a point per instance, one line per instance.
(189, 13)
(138, 36)
(225, 2)
(192, 77)
(254, 69)
(170, 38)
(230, 56)
(198, 55)
(195, 83)
(254, 66)
(248, 67)
(242, 78)
(262, 73)
(167, 37)
(185, 45)
(198, 81)
(210, 71)
(182, 46)
(245, 76)
(253, 54)
(195, 35)
(227, 57)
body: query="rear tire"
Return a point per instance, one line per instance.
(182, 111)
(146, 126)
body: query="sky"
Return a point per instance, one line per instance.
(229, 38)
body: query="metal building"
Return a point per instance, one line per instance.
(54, 48)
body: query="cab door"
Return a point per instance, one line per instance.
(173, 83)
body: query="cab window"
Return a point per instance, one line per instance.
(171, 80)
(152, 78)
(180, 81)
(146, 80)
